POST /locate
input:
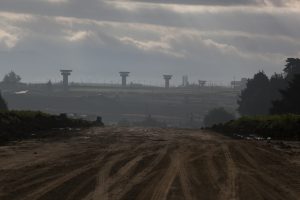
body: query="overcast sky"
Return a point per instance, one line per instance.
(214, 40)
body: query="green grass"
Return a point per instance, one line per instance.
(15, 125)
(285, 127)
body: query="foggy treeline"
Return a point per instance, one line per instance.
(278, 94)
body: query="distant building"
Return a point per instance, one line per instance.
(240, 84)
(185, 81)
(201, 83)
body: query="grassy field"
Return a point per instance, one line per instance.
(173, 106)
(286, 127)
(26, 124)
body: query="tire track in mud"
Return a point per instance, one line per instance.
(142, 172)
(232, 189)
(151, 164)
(262, 174)
(72, 177)
(41, 193)
(121, 173)
(185, 182)
(212, 170)
(105, 181)
(162, 188)
(37, 180)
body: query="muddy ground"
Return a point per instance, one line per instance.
(137, 163)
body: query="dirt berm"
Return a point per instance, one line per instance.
(155, 164)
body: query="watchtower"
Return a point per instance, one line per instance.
(124, 76)
(65, 73)
(167, 80)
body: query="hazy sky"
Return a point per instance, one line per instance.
(213, 40)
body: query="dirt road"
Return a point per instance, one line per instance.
(154, 164)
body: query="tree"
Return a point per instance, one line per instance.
(11, 78)
(277, 83)
(255, 98)
(292, 68)
(3, 105)
(217, 116)
(260, 93)
(290, 100)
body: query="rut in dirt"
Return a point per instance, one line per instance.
(155, 164)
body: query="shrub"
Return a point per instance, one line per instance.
(217, 116)
(21, 124)
(285, 127)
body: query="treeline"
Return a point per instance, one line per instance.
(16, 125)
(269, 107)
(3, 105)
(283, 127)
(277, 95)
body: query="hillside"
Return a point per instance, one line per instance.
(174, 106)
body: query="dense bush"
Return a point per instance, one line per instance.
(255, 98)
(21, 124)
(217, 116)
(285, 127)
(289, 102)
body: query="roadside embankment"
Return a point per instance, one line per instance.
(16, 125)
(282, 127)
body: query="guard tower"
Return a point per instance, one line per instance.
(124, 76)
(167, 80)
(65, 74)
